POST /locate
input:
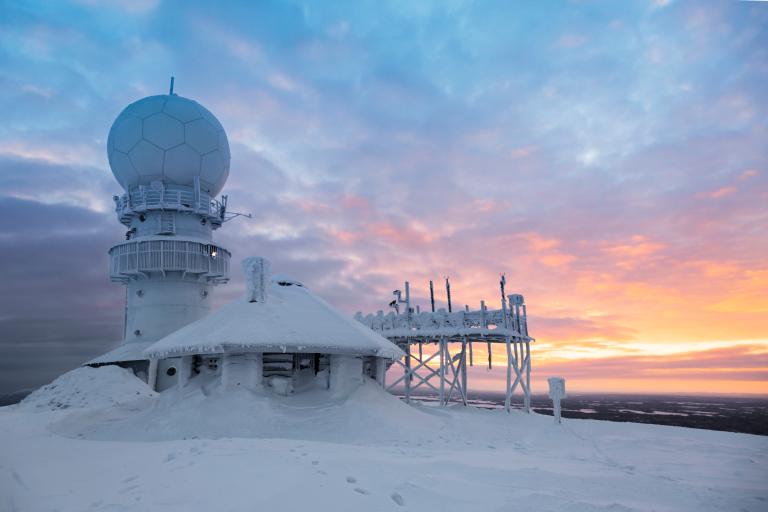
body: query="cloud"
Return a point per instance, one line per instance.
(377, 144)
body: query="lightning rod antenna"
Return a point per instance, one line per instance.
(171, 91)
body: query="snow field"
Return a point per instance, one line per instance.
(201, 450)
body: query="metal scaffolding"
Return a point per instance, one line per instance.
(439, 345)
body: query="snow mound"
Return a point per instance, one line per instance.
(88, 387)
(368, 415)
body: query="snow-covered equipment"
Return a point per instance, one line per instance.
(452, 334)
(556, 393)
(171, 156)
(280, 335)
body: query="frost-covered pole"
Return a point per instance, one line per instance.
(485, 326)
(464, 369)
(556, 393)
(256, 270)
(432, 295)
(468, 323)
(502, 282)
(442, 371)
(448, 294)
(527, 376)
(508, 398)
(408, 313)
(525, 320)
(408, 372)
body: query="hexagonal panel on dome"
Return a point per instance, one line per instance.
(210, 117)
(123, 169)
(212, 167)
(182, 164)
(147, 106)
(147, 159)
(125, 133)
(163, 130)
(201, 135)
(182, 109)
(224, 145)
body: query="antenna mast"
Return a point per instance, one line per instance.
(448, 293)
(432, 296)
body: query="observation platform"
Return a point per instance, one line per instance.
(134, 259)
(448, 338)
(178, 198)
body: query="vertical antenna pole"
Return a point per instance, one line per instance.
(408, 303)
(485, 326)
(448, 293)
(432, 296)
(171, 91)
(502, 282)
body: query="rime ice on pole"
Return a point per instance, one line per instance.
(556, 393)
(256, 270)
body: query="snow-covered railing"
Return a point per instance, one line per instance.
(132, 259)
(441, 320)
(185, 199)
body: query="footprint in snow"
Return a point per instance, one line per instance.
(130, 479)
(351, 480)
(362, 491)
(315, 462)
(397, 498)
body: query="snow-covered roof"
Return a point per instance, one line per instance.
(133, 351)
(290, 318)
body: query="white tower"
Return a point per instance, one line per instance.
(171, 156)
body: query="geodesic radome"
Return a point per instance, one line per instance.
(169, 139)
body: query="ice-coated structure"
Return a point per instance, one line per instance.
(279, 337)
(169, 139)
(556, 393)
(171, 156)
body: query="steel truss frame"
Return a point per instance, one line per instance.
(444, 370)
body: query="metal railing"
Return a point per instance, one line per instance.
(483, 319)
(130, 260)
(183, 199)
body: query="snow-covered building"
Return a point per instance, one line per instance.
(279, 337)
(171, 155)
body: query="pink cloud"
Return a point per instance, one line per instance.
(717, 194)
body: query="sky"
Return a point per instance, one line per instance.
(611, 158)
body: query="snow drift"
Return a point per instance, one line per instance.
(88, 387)
(245, 451)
